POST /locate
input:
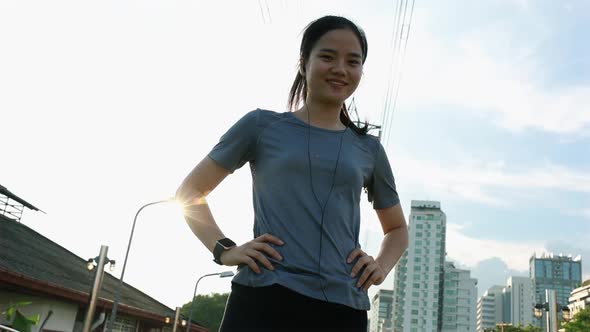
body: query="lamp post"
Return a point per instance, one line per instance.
(221, 275)
(176, 318)
(118, 290)
(551, 307)
(99, 262)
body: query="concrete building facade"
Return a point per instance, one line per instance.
(381, 312)
(459, 303)
(579, 299)
(417, 303)
(489, 308)
(520, 301)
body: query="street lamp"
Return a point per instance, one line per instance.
(101, 260)
(539, 308)
(565, 311)
(118, 290)
(551, 307)
(221, 275)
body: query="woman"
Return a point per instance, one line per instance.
(304, 269)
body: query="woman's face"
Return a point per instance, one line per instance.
(334, 68)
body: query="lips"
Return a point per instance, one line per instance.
(337, 82)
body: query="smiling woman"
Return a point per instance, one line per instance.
(304, 269)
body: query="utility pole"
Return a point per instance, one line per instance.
(358, 123)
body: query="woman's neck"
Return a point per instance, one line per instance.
(321, 115)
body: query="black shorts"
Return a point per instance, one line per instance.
(277, 308)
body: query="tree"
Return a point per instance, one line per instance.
(19, 321)
(208, 310)
(520, 328)
(580, 322)
(531, 328)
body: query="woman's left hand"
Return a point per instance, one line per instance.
(373, 273)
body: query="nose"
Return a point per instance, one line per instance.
(339, 68)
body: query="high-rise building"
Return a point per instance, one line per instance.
(417, 303)
(459, 300)
(520, 301)
(489, 309)
(557, 272)
(512, 304)
(381, 311)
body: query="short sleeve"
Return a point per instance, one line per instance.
(236, 146)
(381, 188)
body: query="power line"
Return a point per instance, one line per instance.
(268, 11)
(401, 28)
(397, 65)
(393, 47)
(400, 72)
(266, 17)
(261, 11)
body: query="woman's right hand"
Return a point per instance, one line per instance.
(252, 251)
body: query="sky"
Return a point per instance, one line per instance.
(106, 106)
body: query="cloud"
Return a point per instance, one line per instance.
(493, 72)
(470, 251)
(492, 262)
(474, 180)
(492, 271)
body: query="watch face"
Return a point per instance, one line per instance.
(226, 243)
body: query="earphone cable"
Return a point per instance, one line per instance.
(322, 208)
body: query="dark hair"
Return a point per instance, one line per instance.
(313, 32)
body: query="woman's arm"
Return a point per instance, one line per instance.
(395, 241)
(393, 246)
(192, 193)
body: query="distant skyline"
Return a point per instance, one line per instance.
(107, 106)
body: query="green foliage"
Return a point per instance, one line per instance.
(520, 328)
(208, 310)
(586, 283)
(580, 322)
(531, 328)
(19, 321)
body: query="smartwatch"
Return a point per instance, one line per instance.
(221, 246)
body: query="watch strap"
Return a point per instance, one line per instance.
(221, 246)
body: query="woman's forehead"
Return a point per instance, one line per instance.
(339, 40)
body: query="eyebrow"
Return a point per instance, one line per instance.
(329, 50)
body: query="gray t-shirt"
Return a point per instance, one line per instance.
(276, 146)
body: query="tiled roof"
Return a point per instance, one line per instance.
(28, 253)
